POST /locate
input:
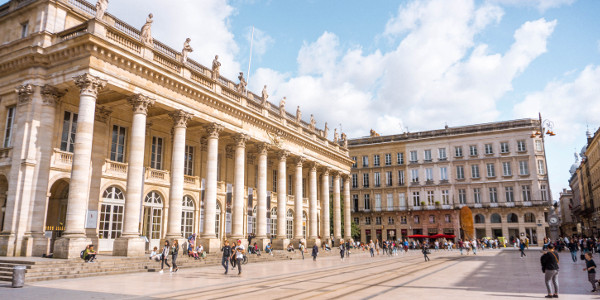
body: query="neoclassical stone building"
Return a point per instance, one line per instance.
(415, 183)
(112, 137)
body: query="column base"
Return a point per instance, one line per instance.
(261, 242)
(11, 245)
(7, 244)
(211, 245)
(129, 246)
(41, 246)
(280, 244)
(70, 247)
(311, 242)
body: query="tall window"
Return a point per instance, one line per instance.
(474, 171)
(365, 160)
(377, 220)
(477, 195)
(401, 177)
(416, 220)
(489, 149)
(355, 202)
(188, 165)
(367, 220)
(10, 120)
(353, 161)
(544, 192)
(388, 178)
(402, 200)
(402, 219)
(390, 220)
(377, 202)
(414, 173)
(460, 172)
(274, 181)
(443, 173)
(376, 160)
(442, 153)
(290, 183)
(506, 169)
(462, 196)
(538, 145)
(431, 219)
(400, 158)
(541, 167)
(289, 224)
(388, 159)
(366, 180)
(413, 156)
(157, 153)
(187, 216)
(458, 151)
(508, 191)
(504, 147)
(117, 147)
(377, 179)
(493, 195)
(390, 202)
(473, 150)
(67, 140)
(357, 220)
(523, 167)
(272, 222)
(526, 192)
(491, 170)
(427, 155)
(416, 199)
(111, 213)
(445, 197)
(354, 181)
(430, 198)
(367, 201)
(521, 146)
(429, 174)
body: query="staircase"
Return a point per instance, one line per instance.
(39, 269)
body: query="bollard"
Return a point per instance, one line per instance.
(18, 276)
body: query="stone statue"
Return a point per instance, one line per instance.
(241, 88)
(336, 135)
(186, 50)
(146, 32)
(282, 107)
(265, 96)
(101, 6)
(576, 157)
(345, 140)
(216, 67)
(325, 131)
(313, 123)
(298, 114)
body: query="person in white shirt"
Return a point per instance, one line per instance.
(239, 255)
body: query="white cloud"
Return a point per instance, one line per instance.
(260, 42)
(540, 5)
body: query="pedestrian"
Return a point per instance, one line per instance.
(460, 246)
(226, 254)
(522, 248)
(573, 249)
(590, 267)
(174, 253)
(372, 248)
(239, 256)
(232, 257)
(342, 249)
(377, 246)
(315, 251)
(550, 263)
(425, 251)
(164, 256)
(302, 249)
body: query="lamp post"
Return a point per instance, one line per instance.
(547, 128)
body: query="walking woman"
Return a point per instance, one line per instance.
(342, 249)
(315, 251)
(164, 256)
(174, 253)
(372, 248)
(425, 251)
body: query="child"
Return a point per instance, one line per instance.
(590, 267)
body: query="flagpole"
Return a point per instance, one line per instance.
(250, 59)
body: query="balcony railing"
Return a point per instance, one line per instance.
(5, 155)
(62, 159)
(155, 175)
(114, 168)
(190, 180)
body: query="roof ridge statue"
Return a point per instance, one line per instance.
(216, 68)
(101, 6)
(186, 50)
(146, 31)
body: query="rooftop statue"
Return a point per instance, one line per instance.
(265, 96)
(336, 135)
(298, 114)
(313, 123)
(345, 140)
(241, 88)
(186, 50)
(146, 32)
(282, 107)
(216, 68)
(101, 6)
(325, 131)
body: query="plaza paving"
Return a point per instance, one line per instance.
(491, 274)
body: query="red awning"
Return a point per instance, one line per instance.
(418, 236)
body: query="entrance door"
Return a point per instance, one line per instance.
(152, 219)
(496, 232)
(111, 218)
(531, 233)
(513, 234)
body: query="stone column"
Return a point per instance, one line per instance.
(347, 209)
(281, 241)
(326, 231)
(209, 238)
(74, 240)
(130, 243)
(237, 217)
(261, 194)
(337, 210)
(50, 97)
(313, 231)
(298, 201)
(180, 119)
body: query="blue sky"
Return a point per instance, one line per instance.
(398, 65)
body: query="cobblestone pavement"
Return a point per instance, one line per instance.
(492, 274)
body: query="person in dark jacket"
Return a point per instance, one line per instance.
(590, 267)
(549, 263)
(425, 251)
(315, 251)
(226, 254)
(573, 249)
(522, 248)
(174, 253)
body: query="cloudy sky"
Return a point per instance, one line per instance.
(396, 65)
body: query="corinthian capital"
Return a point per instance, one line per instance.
(25, 92)
(262, 148)
(51, 95)
(283, 154)
(180, 118)
(241, 139)
(214, 129)
(140, 103)
(312, 166)
(299, 161)
(325, 171)
(89, 85)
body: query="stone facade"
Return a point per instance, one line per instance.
(568, 225)
(415, 183)
(119, 143)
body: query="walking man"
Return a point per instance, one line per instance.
(239, 256)
(573, 249)
(522, 248)
(226, 254)
(315, 251)
(425, 252)
(550, 269)
(372, 248)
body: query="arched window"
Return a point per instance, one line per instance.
(111, 213)
(289, 222)
(218, 220)
(512, 218)
(273, 221)
(153, 205)
(479, 219)
(187, 216)
(496, 218)
(304, 217)
(529, 218)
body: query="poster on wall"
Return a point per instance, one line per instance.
(91, 219)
